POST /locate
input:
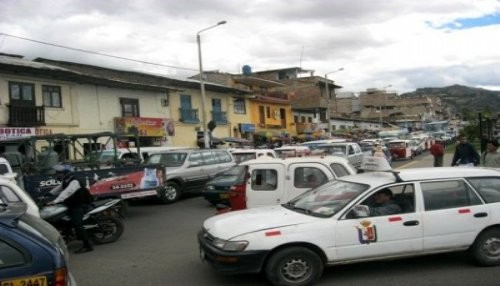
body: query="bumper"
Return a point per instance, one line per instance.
(216, 197)
(229, 262)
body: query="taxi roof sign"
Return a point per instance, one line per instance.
(371, 163)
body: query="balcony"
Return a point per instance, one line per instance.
(189, 115)
(220, 117)
(26, 116)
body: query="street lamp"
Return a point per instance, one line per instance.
(202, 85)
(328, 111)
(380, 107)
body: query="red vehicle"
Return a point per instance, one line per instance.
(400, 149)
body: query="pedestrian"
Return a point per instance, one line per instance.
(437, 150)
(491, 157)
(465, 154)
(74, 195)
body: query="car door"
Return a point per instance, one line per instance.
(379, 236)
(266, 185)
(195, 173)
(454, 214)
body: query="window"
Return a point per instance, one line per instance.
(339, 170)
(309, 177)
(488, 188)
(188, 114)
(10, 256)
(8, 196)
(208, 157)
(448, 194)
(51, 96)
(268, 112)
(223, 156)
(264, 180)
(295, 118)
(196, 157)
(20, 91)
(239, 106)
(130, 107)
(309, 119)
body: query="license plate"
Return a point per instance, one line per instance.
(224, 196)
(34, 281)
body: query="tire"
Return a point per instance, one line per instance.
(486, 249)
(170, 193)
(294, 266)
(109, 229)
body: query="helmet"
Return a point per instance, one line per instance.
(63, 168)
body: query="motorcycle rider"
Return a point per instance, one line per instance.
(73, 193)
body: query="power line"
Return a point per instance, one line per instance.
(96, 53)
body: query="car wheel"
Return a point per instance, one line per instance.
(170, 193)
(294, 266)
(486, 249)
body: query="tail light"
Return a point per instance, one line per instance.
(61, 277)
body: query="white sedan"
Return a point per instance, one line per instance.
(343, 221)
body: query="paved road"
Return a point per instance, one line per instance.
(159, 247)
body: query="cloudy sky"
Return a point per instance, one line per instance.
(406, 44)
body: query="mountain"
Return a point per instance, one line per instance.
(458, 97)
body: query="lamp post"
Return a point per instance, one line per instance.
(328, 98)
(202, 85)
(380, 107)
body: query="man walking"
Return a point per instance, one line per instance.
(437, 150)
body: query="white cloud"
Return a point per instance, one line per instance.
(377, 42)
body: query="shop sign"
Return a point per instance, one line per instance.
(16, 132)
(145, 126)
(247, 127)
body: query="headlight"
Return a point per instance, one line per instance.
(230, 245)
(210, 188)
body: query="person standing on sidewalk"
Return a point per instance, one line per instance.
(437, 150)
(491, 157)
(465, 154)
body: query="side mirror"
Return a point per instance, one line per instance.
(360, 211)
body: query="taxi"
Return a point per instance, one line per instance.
(341, 222)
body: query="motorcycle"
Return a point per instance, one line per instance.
(102, 221)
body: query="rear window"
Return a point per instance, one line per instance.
(242, 157)
(488, 188)
(40, 227)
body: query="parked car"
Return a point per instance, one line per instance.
(455, 209)
(349, 150)
(32, 252)
(217, 189)
(188, 170)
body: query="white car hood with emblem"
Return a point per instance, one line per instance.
(231, 224)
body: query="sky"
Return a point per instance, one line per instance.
(386, 44)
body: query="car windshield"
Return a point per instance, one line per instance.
(174, 159)
(326, 200)
(334, 150)
(242, 157)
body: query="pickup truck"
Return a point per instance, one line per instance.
(272, 181)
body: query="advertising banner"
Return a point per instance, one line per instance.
(145, 126)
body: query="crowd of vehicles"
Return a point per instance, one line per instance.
(231, 179)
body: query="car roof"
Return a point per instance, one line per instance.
(415, 174)
(291, 160)
(252, 151)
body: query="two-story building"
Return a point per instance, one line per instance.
(47, 96)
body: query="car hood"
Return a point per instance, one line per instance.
(235, 223)
(223, 180)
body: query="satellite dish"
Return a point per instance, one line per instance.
(247, 70)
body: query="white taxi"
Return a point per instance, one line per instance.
(344, 221)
